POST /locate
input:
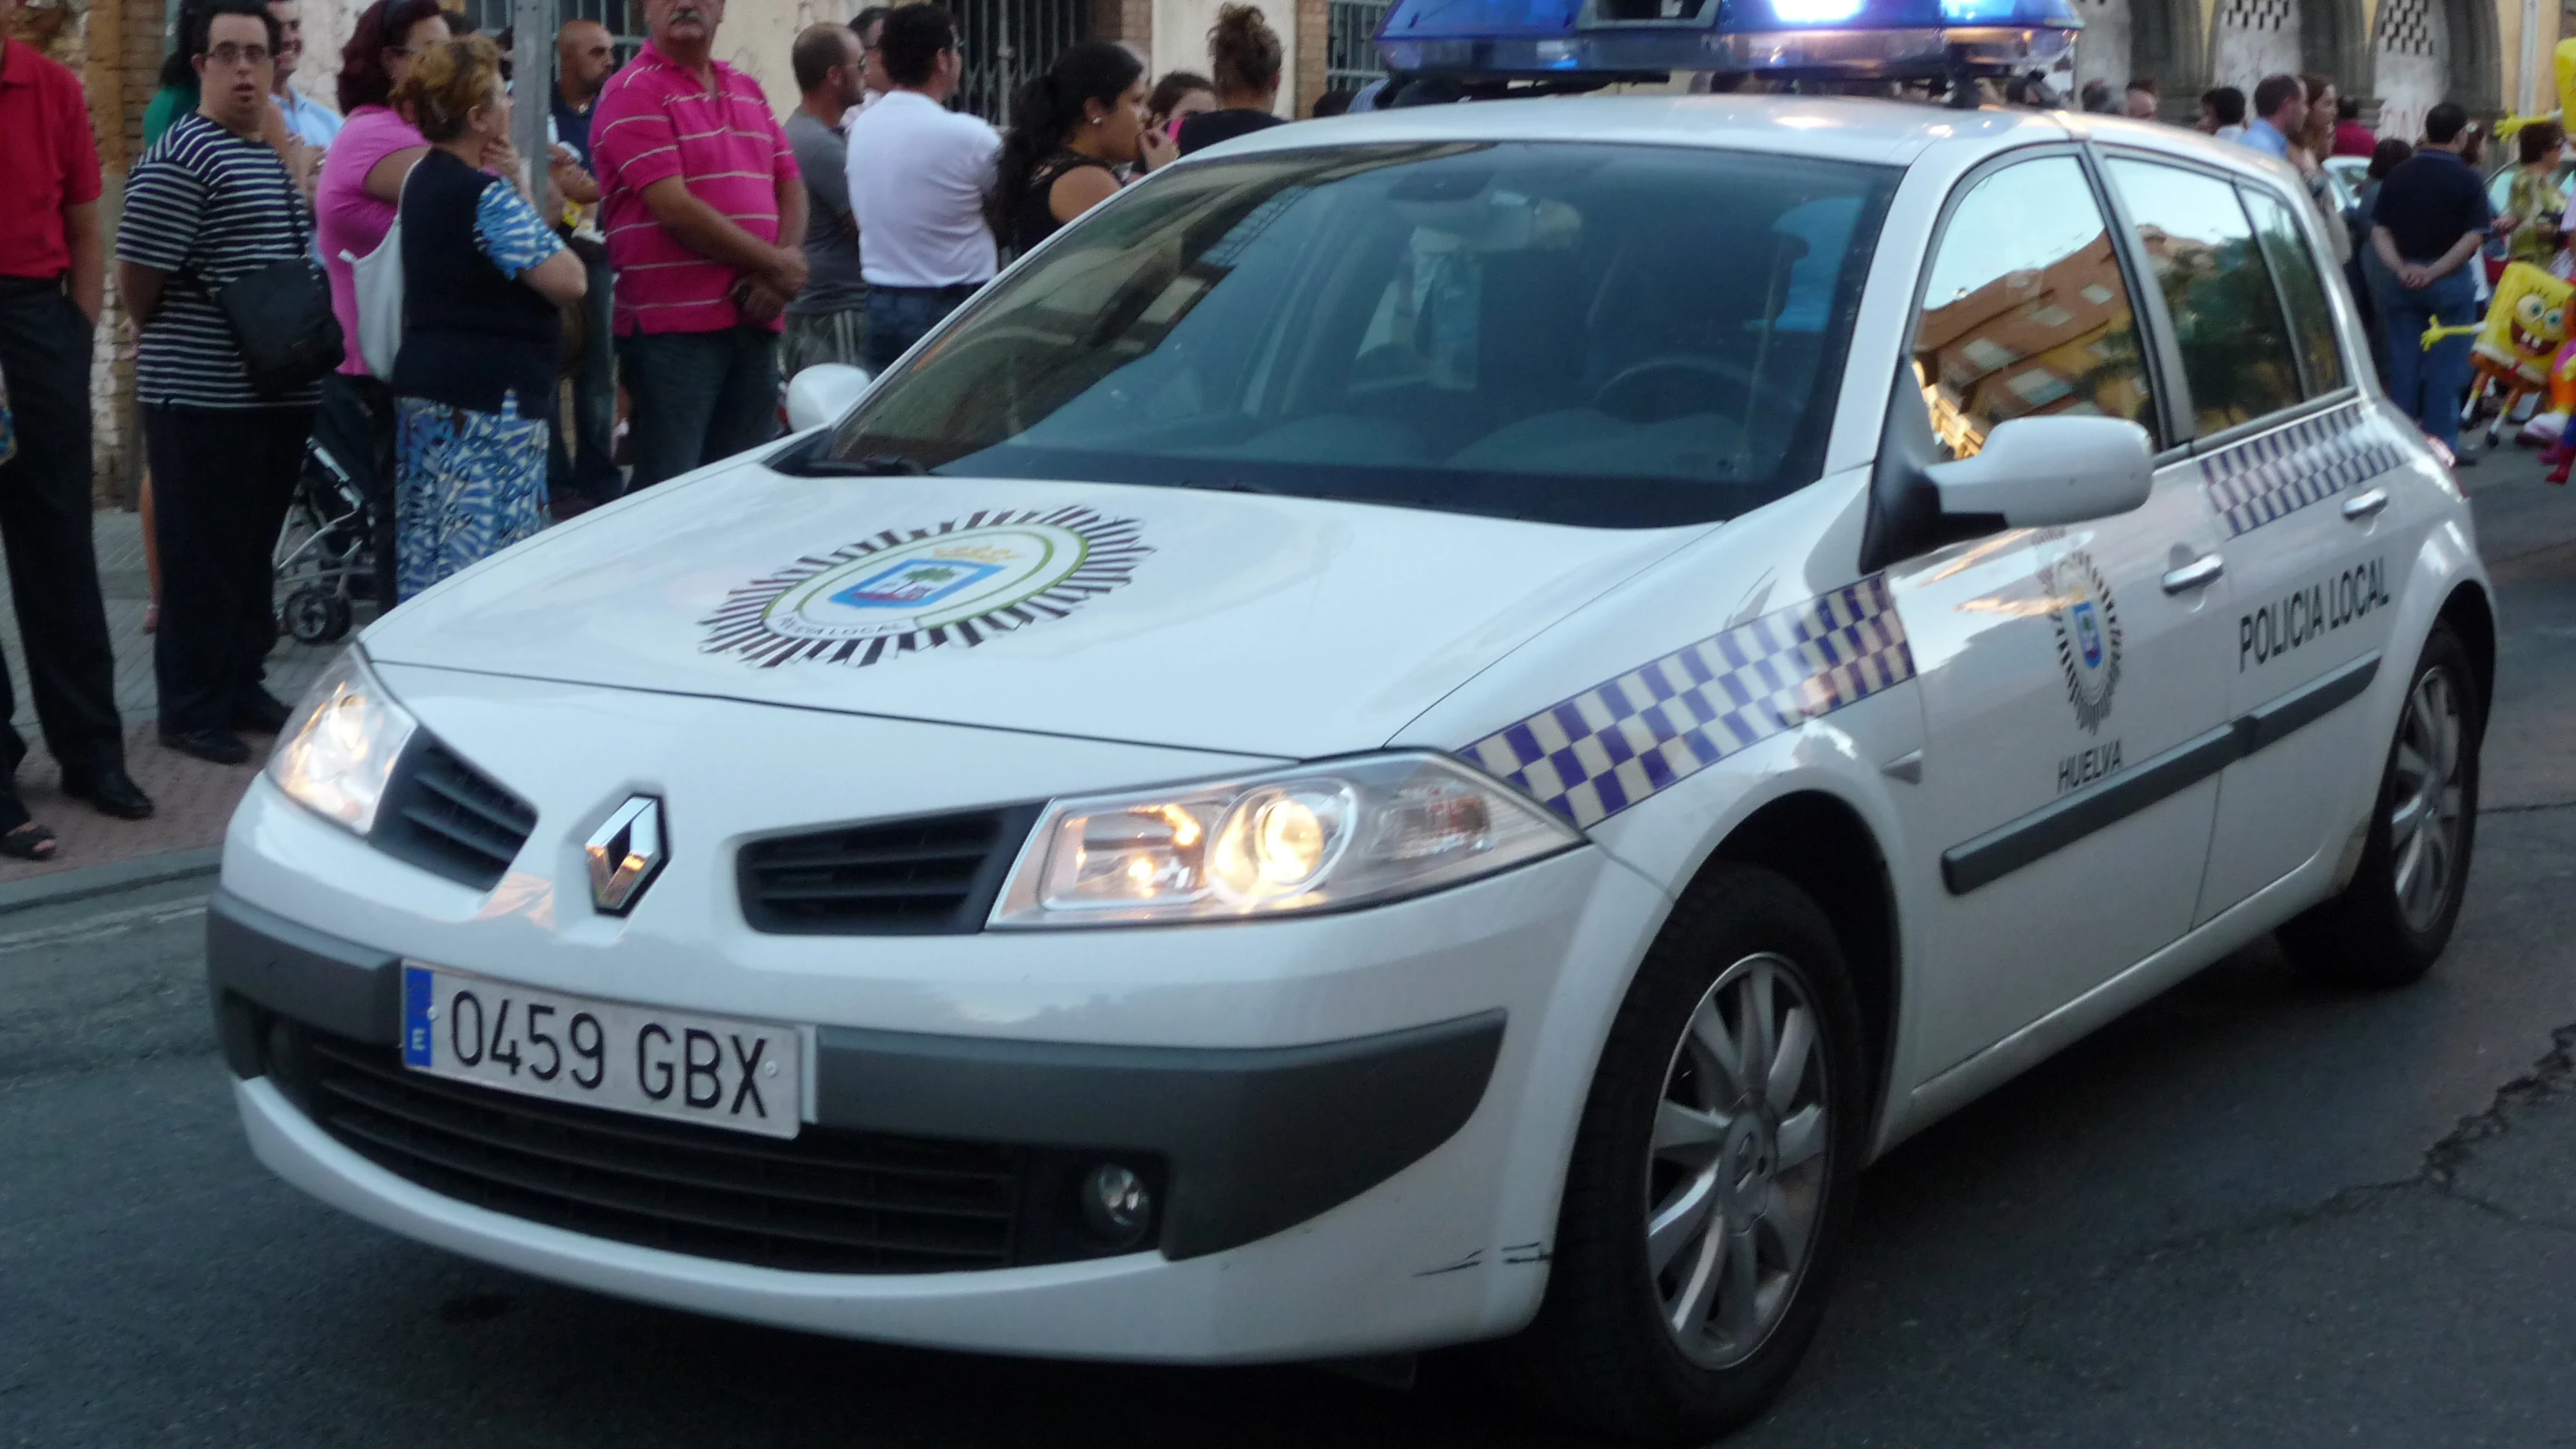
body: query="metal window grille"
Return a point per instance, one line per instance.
(1005, 42)
(491, 17)
(1350, 44)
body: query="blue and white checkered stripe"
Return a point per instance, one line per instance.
(2273, 476)
(1615, 744)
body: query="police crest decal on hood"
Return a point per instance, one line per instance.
(960, 582)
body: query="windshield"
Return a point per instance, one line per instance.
(1622, 336)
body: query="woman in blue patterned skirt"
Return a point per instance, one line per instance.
(483, 277)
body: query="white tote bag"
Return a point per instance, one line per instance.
(379, 276)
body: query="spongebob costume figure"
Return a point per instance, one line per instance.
(2525, 328)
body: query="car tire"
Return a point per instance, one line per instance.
(2386, 928)
(1781, 1156)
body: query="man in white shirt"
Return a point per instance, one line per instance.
(919, 174)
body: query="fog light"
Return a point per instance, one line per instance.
(1116, 1204)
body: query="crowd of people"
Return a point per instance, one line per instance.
(677, 253)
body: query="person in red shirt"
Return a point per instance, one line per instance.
(2351, 137)
(704, 211)
(53, 272)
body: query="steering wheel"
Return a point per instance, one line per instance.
(1660, 389)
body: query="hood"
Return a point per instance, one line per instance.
(1227, 621)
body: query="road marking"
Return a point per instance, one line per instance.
(110, 924)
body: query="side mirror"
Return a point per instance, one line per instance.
(2059, 469)
(825, 391)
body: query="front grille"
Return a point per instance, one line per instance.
(445, 816)
(927, 875)
(827, 1201)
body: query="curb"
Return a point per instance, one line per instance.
(108, 879)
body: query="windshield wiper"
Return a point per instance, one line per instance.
(872, 465)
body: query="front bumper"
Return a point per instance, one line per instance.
(1361, 1119)
(1246, 1141)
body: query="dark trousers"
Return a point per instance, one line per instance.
(696, 397)
(587, 468)
(221, 480)
(2430, 384)
(900, 316)
(45, 527)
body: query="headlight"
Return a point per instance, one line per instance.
(1313, 838)
(341, 746)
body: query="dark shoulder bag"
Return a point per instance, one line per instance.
(281, 315)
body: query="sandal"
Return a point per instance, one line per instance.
(30, 841)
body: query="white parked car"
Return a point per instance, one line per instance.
(1429, 728)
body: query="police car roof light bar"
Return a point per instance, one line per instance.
(1936, 40)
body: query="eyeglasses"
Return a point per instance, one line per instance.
(231, 54)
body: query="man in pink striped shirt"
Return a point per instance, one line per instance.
(705, 215)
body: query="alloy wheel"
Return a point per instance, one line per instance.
(1738, 1162)
(2425, 807)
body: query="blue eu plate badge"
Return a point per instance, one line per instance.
(420, 988)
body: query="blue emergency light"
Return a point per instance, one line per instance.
(1538, 40)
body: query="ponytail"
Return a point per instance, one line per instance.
(1045, 112)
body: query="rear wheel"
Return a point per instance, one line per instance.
(1711, 1183)
(2387, 927)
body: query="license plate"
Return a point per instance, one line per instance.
(716, 1071)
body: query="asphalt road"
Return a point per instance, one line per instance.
(2252, 1213)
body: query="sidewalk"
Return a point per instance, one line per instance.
(195, 798)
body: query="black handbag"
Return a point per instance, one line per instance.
(281, 316)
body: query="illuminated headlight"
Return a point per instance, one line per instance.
(340, 747)
(1315, 838)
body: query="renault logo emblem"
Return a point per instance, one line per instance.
(625, 854)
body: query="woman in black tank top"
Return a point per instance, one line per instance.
(1071, 129)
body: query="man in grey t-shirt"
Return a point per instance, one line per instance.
(827, 322)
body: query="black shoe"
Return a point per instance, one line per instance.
(111, 790)
(2464, 459)
(264, 715)
(217, 747)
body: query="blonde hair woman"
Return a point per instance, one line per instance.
(484, 278)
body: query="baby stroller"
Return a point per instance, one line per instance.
(325, 551)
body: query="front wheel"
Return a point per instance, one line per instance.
(1711, 1183)
(2387, 927)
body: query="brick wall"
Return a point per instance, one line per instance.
(1129, 22)
(1314, 31)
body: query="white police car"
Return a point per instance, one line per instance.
(1427, 729)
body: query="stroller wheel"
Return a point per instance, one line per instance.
(316, 615)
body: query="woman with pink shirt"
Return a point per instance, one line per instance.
(362, 179)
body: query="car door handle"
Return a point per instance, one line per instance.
(2365, 505)
(2200, 573)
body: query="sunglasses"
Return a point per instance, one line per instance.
(231, 54)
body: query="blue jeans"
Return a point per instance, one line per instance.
(588, 468)
(696, 397)
(2430, 385)
(898, 316)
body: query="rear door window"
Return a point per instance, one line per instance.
(2296, 274)
(2237, 356)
